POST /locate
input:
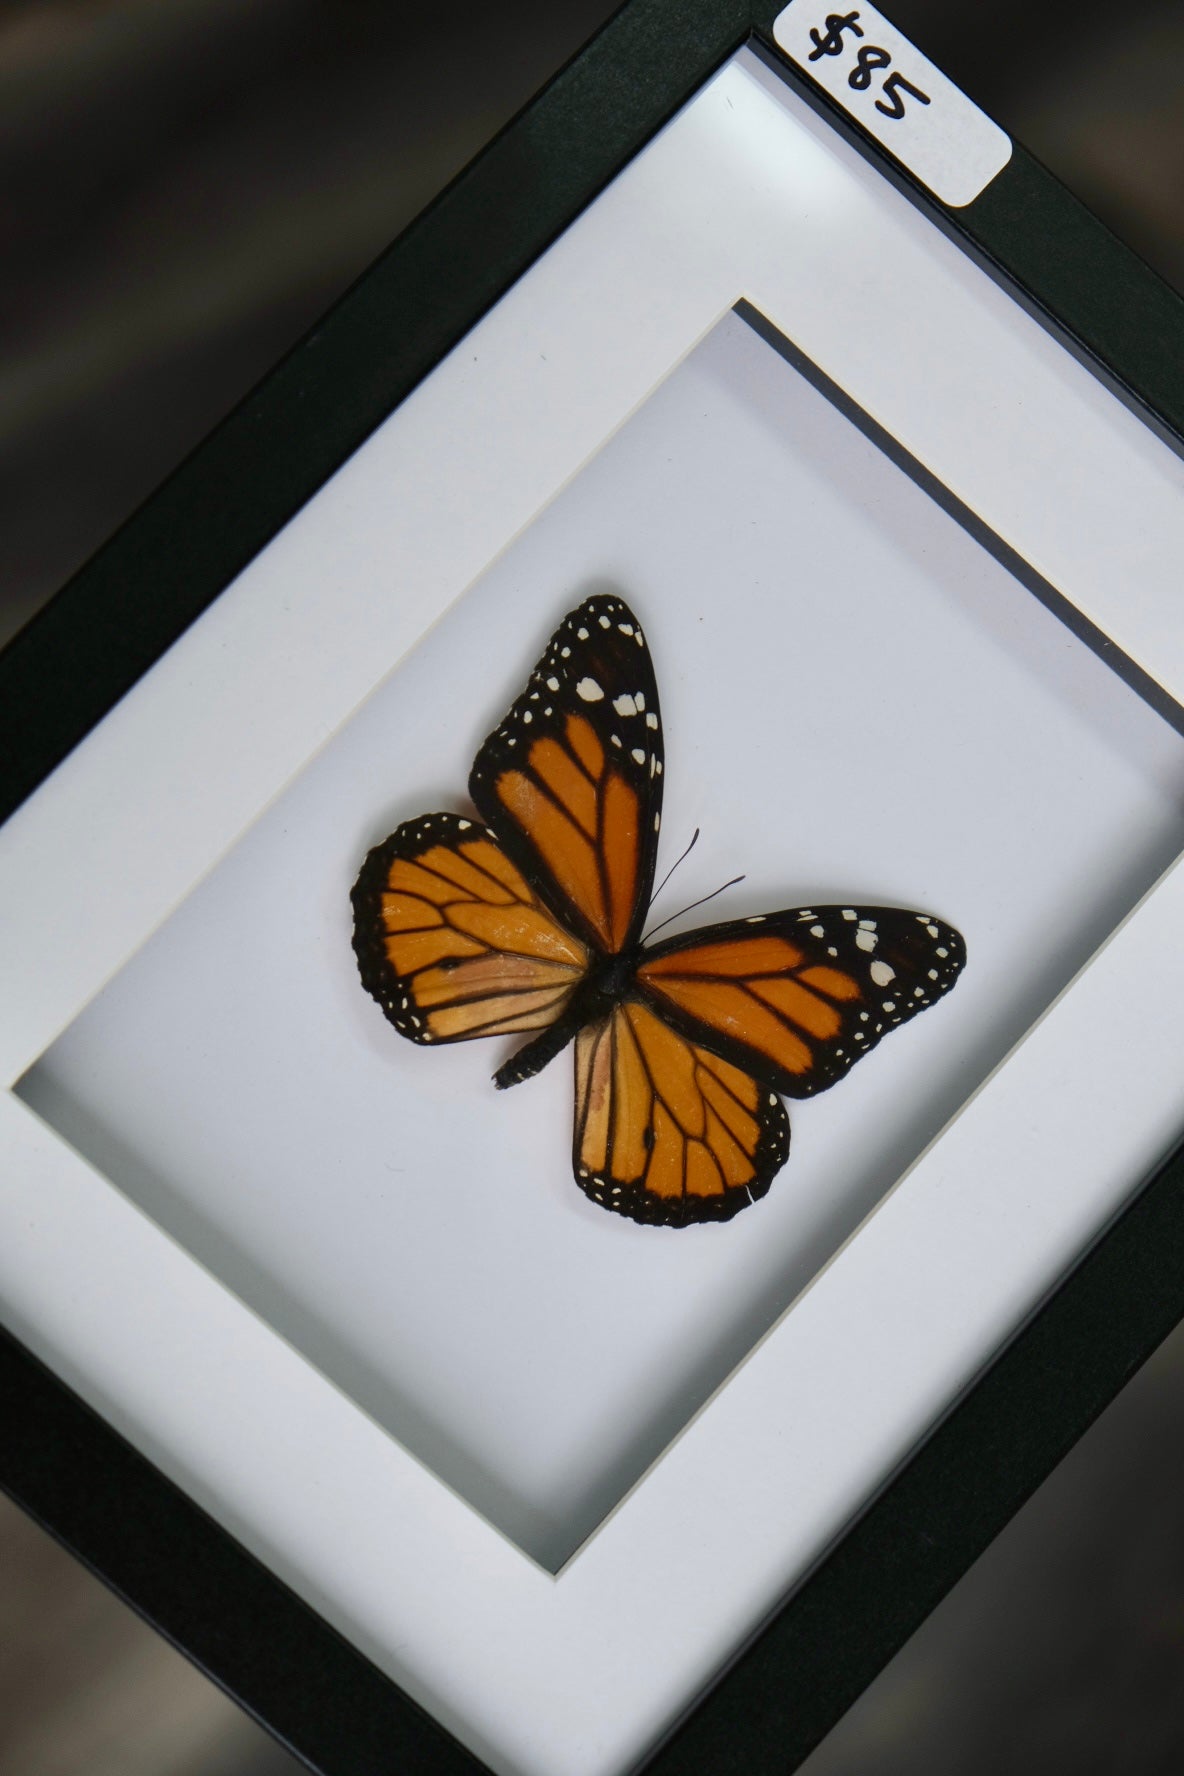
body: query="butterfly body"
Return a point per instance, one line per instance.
(530, 921)
(604, 986)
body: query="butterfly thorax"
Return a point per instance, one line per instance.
(605, 984)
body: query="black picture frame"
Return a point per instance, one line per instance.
(59, 1459)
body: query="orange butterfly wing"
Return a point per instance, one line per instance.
(797, 997)
(514, 926)
(571, 781)
(666, 1131)
(452, 942)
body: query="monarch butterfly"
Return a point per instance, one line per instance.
(531, 920)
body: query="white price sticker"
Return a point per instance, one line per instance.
(897, 95)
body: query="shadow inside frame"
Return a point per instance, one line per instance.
(1133, 675)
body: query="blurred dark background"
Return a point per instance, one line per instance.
(185, 185)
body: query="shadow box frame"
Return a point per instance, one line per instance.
(798, 1665)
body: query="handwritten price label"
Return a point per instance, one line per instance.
(897, 95)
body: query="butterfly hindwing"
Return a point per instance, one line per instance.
(665, 1130)
(571, 781)
(798, 996)
(451, 940)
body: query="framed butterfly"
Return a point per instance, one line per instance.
(529, 921)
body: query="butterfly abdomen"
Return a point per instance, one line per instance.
(537, 1054)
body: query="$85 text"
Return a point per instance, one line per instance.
(868, 60)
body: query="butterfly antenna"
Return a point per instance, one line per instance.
(674, 866)
(695, 903)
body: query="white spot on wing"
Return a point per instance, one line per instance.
(638, 755)
(865, 940)
(882, 974)
(589, 690)
(624, 705)
(552, 684)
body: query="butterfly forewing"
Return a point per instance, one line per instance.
(571, 781)
(452, 941)
(666, 1130)
(799, 996)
